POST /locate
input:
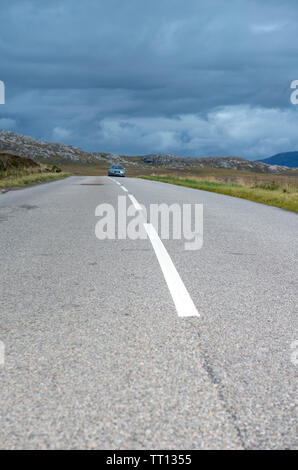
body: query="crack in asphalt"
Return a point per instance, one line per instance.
(206, 362)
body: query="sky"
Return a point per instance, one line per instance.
(186, 77)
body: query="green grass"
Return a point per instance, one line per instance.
(272, 194)
(23, 180)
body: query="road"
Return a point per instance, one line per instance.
(96, 354)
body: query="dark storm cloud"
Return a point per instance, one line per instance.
(193, 78)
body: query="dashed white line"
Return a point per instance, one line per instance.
(117, 182)
(135, 202)
(182, 300)
(180, 295)
(124, 189)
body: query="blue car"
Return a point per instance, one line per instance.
(116, 170)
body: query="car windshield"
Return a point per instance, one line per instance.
(117, 167)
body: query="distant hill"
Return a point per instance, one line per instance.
(59, 154)
(48, 152)
(289, 159)
(230, 163)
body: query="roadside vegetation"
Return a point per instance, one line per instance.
(18, 172)
(22, 180)
(273, 193)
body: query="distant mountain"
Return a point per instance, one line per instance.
(59, 154)
(289, 159)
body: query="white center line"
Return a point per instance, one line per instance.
(117, 182)
(124, 189)
(135, 202)
(182, 300)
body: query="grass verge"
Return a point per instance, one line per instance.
(275, 194)
(23, 180)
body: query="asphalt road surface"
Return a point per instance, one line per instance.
(96, 352)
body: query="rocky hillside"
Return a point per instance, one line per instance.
(47, 152)
(231, 163)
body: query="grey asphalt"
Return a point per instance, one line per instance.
(95, 354)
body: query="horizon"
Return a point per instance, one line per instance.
(140, 155)
(191, 80)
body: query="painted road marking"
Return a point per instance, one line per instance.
(117, 182)
(135, 202)
(124, 189)
(182, 300)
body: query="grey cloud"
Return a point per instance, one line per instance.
(72, 67)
